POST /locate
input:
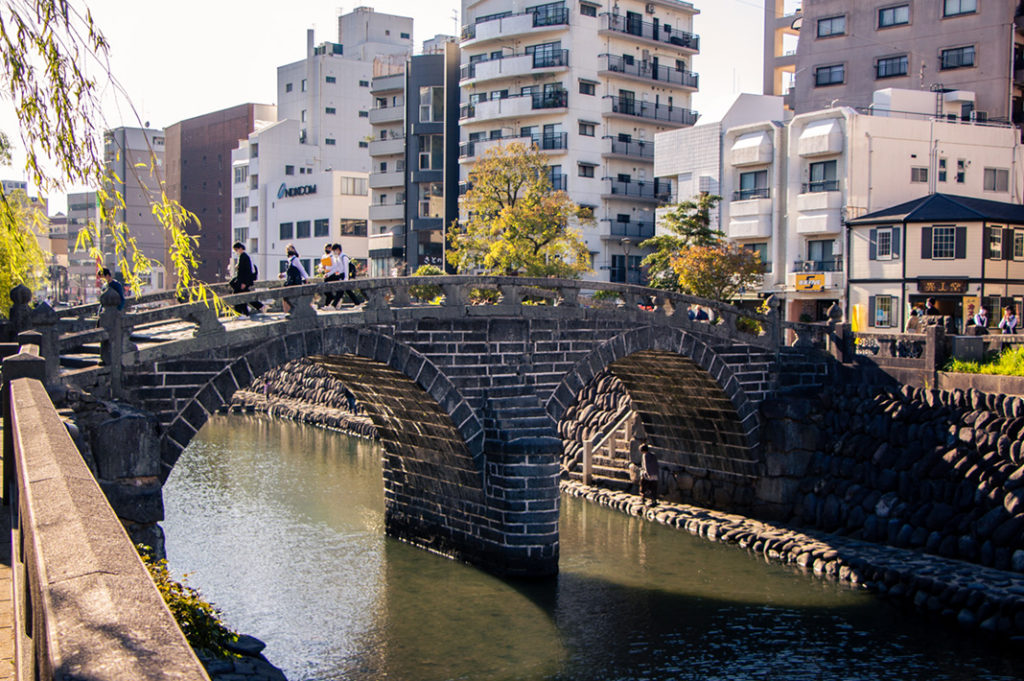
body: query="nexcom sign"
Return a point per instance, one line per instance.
(301, 190)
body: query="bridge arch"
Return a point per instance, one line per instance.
(690, 398)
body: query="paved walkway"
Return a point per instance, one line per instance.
(6, 603)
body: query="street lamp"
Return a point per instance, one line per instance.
(626, 243)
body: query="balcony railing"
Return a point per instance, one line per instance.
(819, 186)
(546, 141)
(830, 265)
(638, 231)
(647, 69)
(656, 112)
(541, 60)
(556, 16)
(539, 100)
(659, 190)
(755, 193)
(661, 33)
(633, 148)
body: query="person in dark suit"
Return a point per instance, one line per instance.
(245, 277)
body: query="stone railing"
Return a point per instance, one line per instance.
(84, 604)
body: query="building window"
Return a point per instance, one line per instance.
(331, 79)
(287, 87)
(957, 58)
(952, 8)
(587, 129)
(823, 177)
(330, 110)
(586, 170)
(588, 10)
(831, 26)
(883, 243)
(241, 174)
(289, 170)
(364, 83)
(997, 180)
(302, 229)
(241, 204)
(753, 185)
(961, 171)
(364, 114)
(995, 243)
(353, 227)
(330, 141)
(303, 115)
(304, 86)
(363, 144)
(286, 230)
(894, 16)
(353, 186)
(322, 227)
(763, 254)
(942, 170)
(883, 311)
(943, 243)
(919, 174)
(829, 75)
(890, 67)
(431, 104)
(404, 36)
(588, 88)
(1018, 244)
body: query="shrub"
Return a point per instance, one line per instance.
(748, 325)
(484, 296)
(426, 291)
(1007, 363)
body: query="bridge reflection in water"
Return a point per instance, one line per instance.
(283, 526)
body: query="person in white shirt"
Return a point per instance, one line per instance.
(336, 271)
(295, 275)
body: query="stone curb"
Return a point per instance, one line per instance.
(304, 412)
(973, 596)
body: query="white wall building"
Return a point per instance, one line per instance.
(590, 83)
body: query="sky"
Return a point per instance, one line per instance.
(184, 58)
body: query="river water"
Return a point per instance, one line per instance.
(281, 525)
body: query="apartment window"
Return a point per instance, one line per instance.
(997, 179)
(884, 243)
(829, 75)
(330, 141)
(942, 170)
(302, 229)
(304, 86)
(943, 243)
(763, 254)
(894, 16)
(823, 177)
(364, 83)
(831, 26)
(889, 67)
(404, 36)
(952, 8)
(331, 79)
(254, 213)
(364, 114)
(363, 144)
(322, 227)
(1018, 244)
(883, 307)
(431, 154)
(919, 174)
(287, 87)
(957, 58)
(588, 88)
(995, 243)
(241, 204)
(303, 115)
(330, 110)
(241, 174)
(431, 104)
(588, 10)
(353, 227)
(961, 171)
(286, 230)
(546, 54)
(587, 129)
(586, 169)
(353, 186)
(753, 185)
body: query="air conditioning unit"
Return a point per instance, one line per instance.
(979, 116)
(649, 8)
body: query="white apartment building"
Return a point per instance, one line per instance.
(789, 188)
(590, 83)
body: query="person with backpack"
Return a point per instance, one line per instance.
(348, 268)
(294, 275)
(334, 271)
(244, 279)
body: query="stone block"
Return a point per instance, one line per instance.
(126, 447)
(138, 500)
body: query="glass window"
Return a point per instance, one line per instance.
(287, 87)
(823, 177)
(330, 141)
(995, 243)
(546, 54)
(961, 171)
(302, 229)
(883, 243)
(819, 251)
(763, 254)
(883, 310)
(957, 58)
(331, 79)
(1018, 244)
(753, 185)
(304, 87)
(890, 67)
(241, 174)
(322, 227)
(241, 204)
(289, 170)
(364, 114)
(829, 75)
(587, 129)
(997, 179)
(942, 170)
(894, 16)
(952, 8)
(286, 230)
(330, 110)
(943, 243)
(587, 88)
(831, 26)
(919, 174)
(431, 200)
(586, 170)
(588, 10)
(353, 227)
(353, 186)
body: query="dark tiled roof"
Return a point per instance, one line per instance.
(945, 208)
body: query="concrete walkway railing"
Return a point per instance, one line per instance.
(85, 606)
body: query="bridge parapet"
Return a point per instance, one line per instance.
(85, 605)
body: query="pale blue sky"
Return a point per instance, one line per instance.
(181, 59)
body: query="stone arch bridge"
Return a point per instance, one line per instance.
(466, 394)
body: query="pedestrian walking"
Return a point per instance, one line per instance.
(294, 275)
(244, 279)
(649, 474)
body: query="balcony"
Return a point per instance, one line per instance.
(513, 66)
(515, 106)
(552, 141)
(754, 193)
(629, 108)
(830, 265)
(382, 84)
(819, 186)
(387, 114)
(387, 211)
(502, 27)
(657, 191)
(387, 147)
(633, 150)
(637, 231)
(647, 71)
(662, 34)
(394, 179)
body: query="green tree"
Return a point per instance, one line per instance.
(515, 222)
(688, 224)
(22, 259)
(48, 48)
(717, 271)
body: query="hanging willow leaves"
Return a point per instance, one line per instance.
(48, 49)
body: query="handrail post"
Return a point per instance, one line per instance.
(21, 365)
(588, 461)
(112, 350)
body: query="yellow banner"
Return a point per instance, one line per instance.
(810, 282)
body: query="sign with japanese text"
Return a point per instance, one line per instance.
(942, 286)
